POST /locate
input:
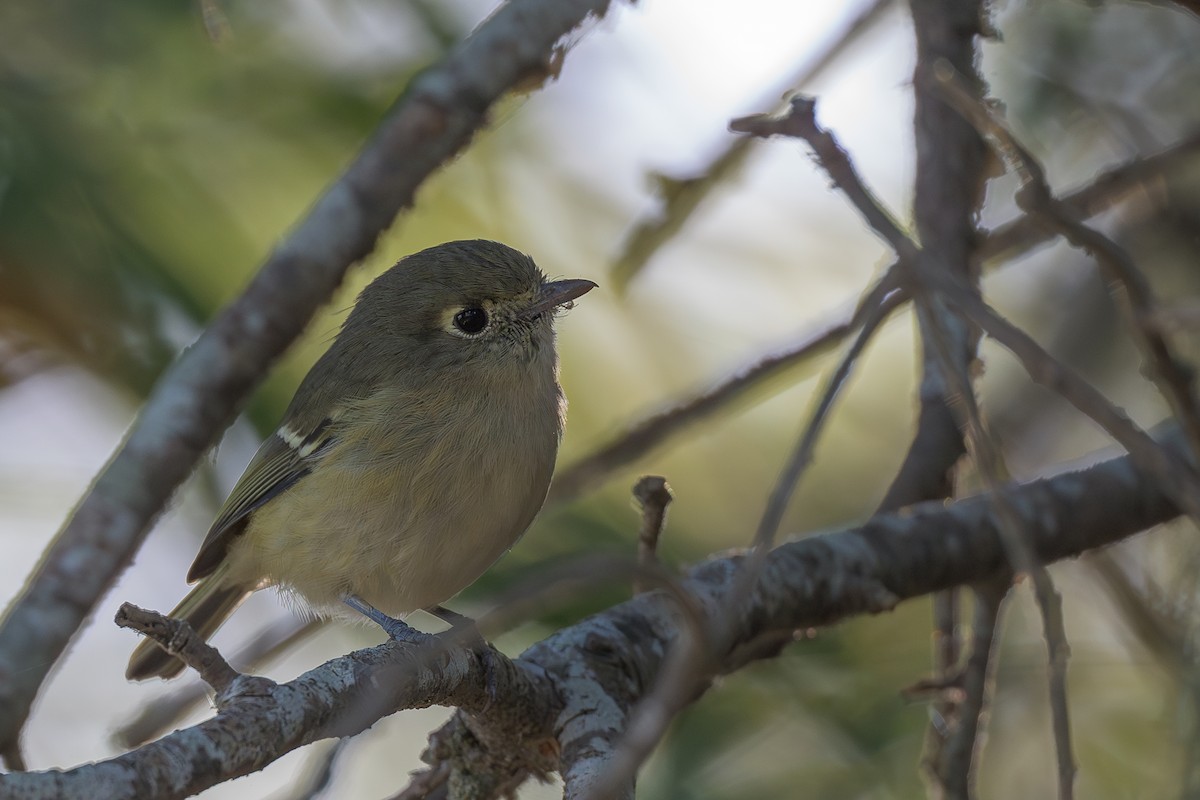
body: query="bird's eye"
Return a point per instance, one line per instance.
(471, 320)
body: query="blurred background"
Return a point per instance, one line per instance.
(152, 153)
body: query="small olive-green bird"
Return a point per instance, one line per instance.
(415, 453)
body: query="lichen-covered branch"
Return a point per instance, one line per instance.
(580, 685)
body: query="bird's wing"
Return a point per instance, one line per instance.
(283, 459)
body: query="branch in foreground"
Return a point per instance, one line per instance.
(823, 579)
(948, 192)
(199, 395)
(178, 638)
(162, 714)
(597, 670)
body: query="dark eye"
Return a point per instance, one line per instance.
(471, 320)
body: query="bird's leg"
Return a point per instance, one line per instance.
(466, 626)
(395, 629)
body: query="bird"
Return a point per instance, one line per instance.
(416, 451)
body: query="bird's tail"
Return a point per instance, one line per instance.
(206, 608)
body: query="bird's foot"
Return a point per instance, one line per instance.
(466, 633)
(396, 630)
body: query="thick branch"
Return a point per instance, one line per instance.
(199, 395)
(602, 666)
(823, 579)
(339, 698)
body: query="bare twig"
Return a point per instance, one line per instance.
(693, 666)
(1021, 557)
(801, 123)
(653, 495)
(896, 545)
(1107, 189)
(198, 396)
(1006, 242)
(569, 579)
(653, 430)
(163, 713)
(958, 757)
(681, 198)
(1134, 295)
(872, 312)
(948, 190)
(177, 638)
(831, 157)
(1177, 473)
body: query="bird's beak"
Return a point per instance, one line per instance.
(559, 293)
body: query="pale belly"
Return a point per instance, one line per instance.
(440, 514)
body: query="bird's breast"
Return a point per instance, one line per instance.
(424, 488)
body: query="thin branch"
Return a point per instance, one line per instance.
(872, 311)
(647, 434)
(653, 495)
(681, 197)
(884, 543)
(199, 395)
(1177, 473)
(958, 758)
(489, 765)
(926, 282)
(693, 665)
(948, 191)
(1015, 238)
(800, 122)
(1021, 556)
(1134, 296)
(1009, 241)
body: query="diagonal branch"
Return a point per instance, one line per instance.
(199, 395)
(1176, 472)
(1134, 295)
(822, 567)
(1007, 242)
(681, 197)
